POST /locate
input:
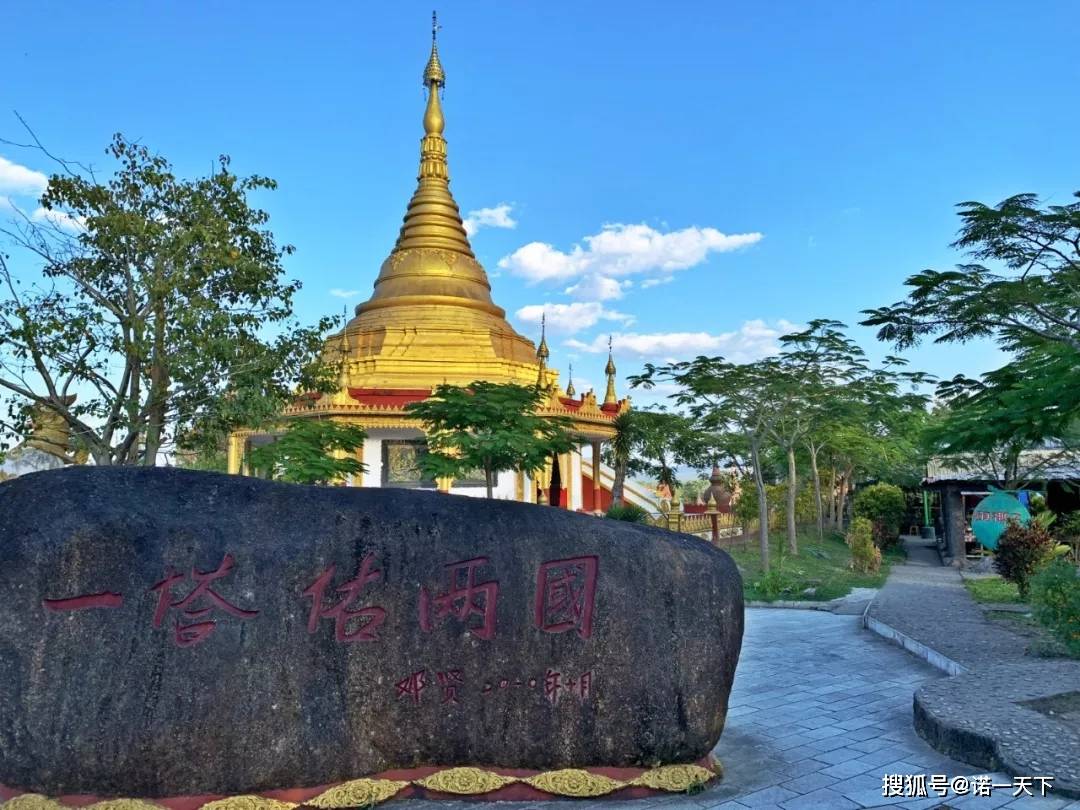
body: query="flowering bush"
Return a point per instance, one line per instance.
(1021, 551)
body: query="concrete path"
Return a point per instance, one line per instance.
(820, 713)
(927, 601)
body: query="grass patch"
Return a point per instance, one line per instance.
(993, 590)
(822, 566)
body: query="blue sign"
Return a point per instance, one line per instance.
(993, 514)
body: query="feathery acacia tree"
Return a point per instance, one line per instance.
(490, 427)
(161, 305)
(725, 397)
(1023, 291)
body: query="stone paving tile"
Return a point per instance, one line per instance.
(768, 797)
(846, 769)
(823, 799)
(790, 658)
(809, 782)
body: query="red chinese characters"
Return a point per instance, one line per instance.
(463, 598)
(566, 594)
(450, 681)
(412, 686)
(195, 631)
(90, 600)
(555, 685)
(367, 620)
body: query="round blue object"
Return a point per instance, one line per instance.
(993, 514)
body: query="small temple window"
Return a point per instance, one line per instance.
(401, 466)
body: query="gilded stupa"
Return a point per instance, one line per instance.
(431, 320)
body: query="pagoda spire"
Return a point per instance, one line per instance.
(433, 219)
(570, 390)
(610, 398)
(542, 352)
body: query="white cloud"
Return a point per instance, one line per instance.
(497, 217)
(16, 179)
(59, 219)
(656, 281)
(337, 292)
(622, 250)
(7, 205)
(570, 318)
(598, 288)
(753, 340)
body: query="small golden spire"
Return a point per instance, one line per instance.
(570, 391)
(610, 398)
(343, 374)
(542, 350)
(542, 353)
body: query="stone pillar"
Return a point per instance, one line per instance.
(234, 454)
(565, 480)
(542, 482)
(597, 506)
(955, 523)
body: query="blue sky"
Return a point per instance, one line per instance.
(741, 166)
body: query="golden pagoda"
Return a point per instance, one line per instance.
(431, 320)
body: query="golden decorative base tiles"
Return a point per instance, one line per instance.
(463, 781)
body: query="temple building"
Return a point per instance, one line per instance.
(431, 320)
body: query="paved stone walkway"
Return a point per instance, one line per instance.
(928, 602)
(820, 712)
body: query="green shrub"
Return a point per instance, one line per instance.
(774, 582)
(1055, 600)
(865, 555)
(1067, 531)
(1021, 551)
(631, 513)
(884, 506)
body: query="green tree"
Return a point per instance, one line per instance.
(311, 451)
(621, 451)
(161, 302)
(1020, 290)
(490, 427)
(728, 398)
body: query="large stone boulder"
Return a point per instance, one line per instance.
(168, 632)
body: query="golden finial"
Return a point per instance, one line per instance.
(542, 350)
(610, 398)
(570, 391)
(343, 373)
(434, 73)
(542, 353)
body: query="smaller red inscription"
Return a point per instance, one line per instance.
(369, 619)
(92, 600)
(188, 635)
(449, 681)
(412, 686)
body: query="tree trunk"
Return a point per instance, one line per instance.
(819, 508)
(792, 485)
(157, 396)
(831, 517)
(763, 507)
(489, 481)
(841, 498)
(618, 482)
